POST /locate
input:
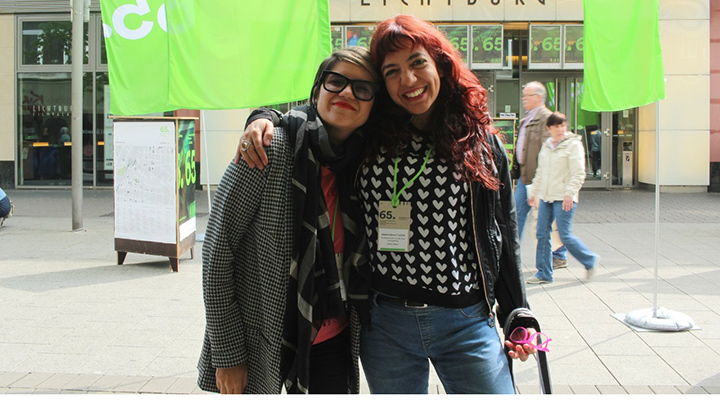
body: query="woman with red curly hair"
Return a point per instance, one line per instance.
(440, 222)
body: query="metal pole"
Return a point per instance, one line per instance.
(78, 48)
(205, 157)
(657, 205)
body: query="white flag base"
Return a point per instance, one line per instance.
(659, 319)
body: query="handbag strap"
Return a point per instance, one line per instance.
(523, 317)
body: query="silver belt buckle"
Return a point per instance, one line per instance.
(414, 305)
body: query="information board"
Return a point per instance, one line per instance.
(144, 198)
(358, 35)
(487, 46)
(336, 36)
(574, 47)
(154, 173)
(545, 47)
(458, 36)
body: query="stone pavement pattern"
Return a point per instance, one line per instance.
(72, 321)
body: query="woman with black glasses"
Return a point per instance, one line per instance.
(295, 218)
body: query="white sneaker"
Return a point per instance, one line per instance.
(535, 280)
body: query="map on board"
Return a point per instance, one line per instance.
(145, 192)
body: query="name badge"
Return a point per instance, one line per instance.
(394, 226)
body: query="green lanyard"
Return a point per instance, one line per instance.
(396, 196)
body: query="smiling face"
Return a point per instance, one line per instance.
(413, 82)
(341, 112)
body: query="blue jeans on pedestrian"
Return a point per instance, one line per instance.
(462, 344)
(523, 209)
(5, 206)
(547, 213)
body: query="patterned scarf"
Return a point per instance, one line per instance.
(314, 287)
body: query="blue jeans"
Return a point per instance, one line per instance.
(547, 212)
(523, 209)
(5, 207)
(464, 348)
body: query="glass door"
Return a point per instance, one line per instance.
(594, 128)
(487, 80)
(609, 138)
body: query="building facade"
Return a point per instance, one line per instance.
(507, 43)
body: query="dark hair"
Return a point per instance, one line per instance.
(461, 125)
(556, 118)
(356, 55)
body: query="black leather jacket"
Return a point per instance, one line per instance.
(497, 240)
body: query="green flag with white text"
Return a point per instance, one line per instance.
(136, 45)
(622, 58)
(245, 53)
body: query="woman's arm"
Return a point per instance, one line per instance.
(509, 287)
(234, 206)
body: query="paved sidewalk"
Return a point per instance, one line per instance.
(72, 321)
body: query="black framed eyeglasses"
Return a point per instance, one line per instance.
(334, 82)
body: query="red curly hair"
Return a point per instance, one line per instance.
(461, 124)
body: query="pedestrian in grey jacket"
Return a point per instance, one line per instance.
(280, 244)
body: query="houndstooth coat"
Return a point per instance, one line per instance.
(246, 262)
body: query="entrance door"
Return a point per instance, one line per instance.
(609, 138)
(594, 127)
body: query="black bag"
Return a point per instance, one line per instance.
(524, 317)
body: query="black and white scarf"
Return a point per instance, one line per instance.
(314, 293)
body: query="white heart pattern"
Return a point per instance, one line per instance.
(440, 229)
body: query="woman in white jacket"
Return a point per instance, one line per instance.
(554, 190)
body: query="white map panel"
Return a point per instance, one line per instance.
(145, 171)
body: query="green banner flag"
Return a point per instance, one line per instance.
(623, 59)
(136, 44)
(246, 53)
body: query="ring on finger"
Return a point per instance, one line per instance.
(245, 145)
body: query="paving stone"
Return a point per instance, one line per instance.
(638, 389)
(57, 381)
(562, 390)
(46, 391)
(82, 382)
(132, 384)
(107, 383)
(183, 386)
(31, 380)
(664, 389)
(584, 389)
(8, 378)
(21, 391)
(158, 385)
(611, 389)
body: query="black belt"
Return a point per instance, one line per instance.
(402, 302)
